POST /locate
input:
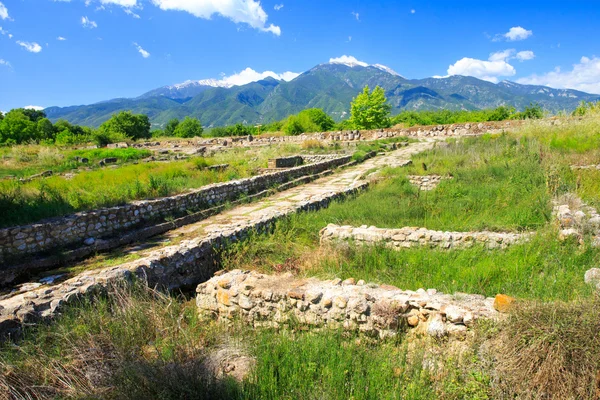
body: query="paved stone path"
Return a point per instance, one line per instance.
(190, 261)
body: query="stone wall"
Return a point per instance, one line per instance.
(417, 237)
(577, 219)
(215, 145)
(85, 227)
(376, 310)
(426, 182)
(182, 265)
(285, 162)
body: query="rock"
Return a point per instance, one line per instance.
(503, 303)
(592, 276)
(89, 241)
(413, 320)
(436, 327)
(453, 314)
(569, 233)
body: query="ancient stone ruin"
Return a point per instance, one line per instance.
(409, 237)
(376, 310)
(426, 182)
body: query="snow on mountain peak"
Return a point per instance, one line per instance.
(351, 62)
(386, 69)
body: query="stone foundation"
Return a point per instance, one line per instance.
(410, 237)
(426, 182)
(75, 229)
(376, 310)
(181, 265)
(576, 219)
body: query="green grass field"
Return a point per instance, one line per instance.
(135, 343)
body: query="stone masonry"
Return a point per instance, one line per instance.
(376, 310)
(426, 182)
(75, 229)
(196, 255)
(409, 237)
(576, 219)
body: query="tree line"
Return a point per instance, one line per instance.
(368, 110)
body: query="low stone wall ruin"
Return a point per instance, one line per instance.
(426, 182)
(87, 226)
(182, 265)
(376, 310)
(577, 219)
(418, 237)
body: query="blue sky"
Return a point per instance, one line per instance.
(60, 52)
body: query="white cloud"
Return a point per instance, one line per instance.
(5, 63)
(584, 76)
(249, 75)
(87, 23)
(37, 108)
(497, 65)
(239, 11)
(502, 55)
(515, 33)
(511, 54)
(122, 3)
(486, 70)
(60, 38)
(413, 11)
(32, 47)
(525, 55)
(278, 7)
(3, 12)
(143, 52)
(356, 15)
(129, 12)
(348, 60)
(5, 32)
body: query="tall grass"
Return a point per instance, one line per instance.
(29, 202)
(134, 343)
(25, 160)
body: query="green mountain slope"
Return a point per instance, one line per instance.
(327, 86)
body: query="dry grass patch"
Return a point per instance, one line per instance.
(550, 350)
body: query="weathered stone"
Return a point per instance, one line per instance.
(592, 276)
(377, 309)
(503, 303)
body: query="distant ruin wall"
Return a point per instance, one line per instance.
(77, 228)
(419, 237)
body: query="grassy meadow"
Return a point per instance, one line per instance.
(105, 187)
(135, 343)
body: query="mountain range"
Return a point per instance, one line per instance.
(330, 86)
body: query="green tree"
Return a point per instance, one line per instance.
(293, 126)
(33, 115)
(127, 124)
(317, 119)
(370, 110)
(171, 126)
(189, 127)
(16, 127)
(45, 130)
